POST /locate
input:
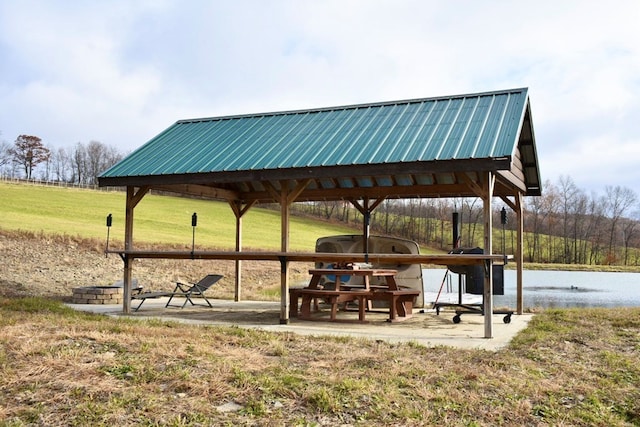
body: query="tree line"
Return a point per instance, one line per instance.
(28, 157)
(565, 225)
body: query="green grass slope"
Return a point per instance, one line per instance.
(157, 219)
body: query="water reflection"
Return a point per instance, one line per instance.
(548, 289)
(571, 288)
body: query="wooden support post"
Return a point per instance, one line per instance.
(239, 210)
(284, 264)
(489, 182)
(519, 254)
(366, 223)
(286, 197)
(517, 207)
(238, 285)
(366, 209)
(133, 198)
(128, 245)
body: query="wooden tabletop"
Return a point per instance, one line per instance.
(354, 272)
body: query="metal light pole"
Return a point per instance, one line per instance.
(109, 222)
(503, 221)
(194, 223)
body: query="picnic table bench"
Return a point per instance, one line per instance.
(400, 300)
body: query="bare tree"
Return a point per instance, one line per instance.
(79, 164)
(568, 194)
(580, 230)
(95, 158)
(538, 210)
(629, 230)
(61, 164)
(28, 151)
(5, 156)
(99, 157)
(474, 219)
(618, 200)
(328, 208)
(387, 211)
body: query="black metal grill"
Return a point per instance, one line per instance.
(474, 274)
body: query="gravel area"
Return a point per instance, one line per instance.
(51, 266)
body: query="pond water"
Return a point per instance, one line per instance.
(547, 289)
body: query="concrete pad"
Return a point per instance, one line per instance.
(423, 328)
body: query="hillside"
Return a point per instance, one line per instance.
(158, 219)
(52, 239)
(51, 266)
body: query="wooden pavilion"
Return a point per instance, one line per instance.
(476, 145)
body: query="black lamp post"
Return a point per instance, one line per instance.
(109, 222)
(503, 221)
(194, 223)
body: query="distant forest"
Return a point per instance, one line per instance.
(565, 225)
(81, 163)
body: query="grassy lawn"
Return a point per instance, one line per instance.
(158, 219)
(60, 367)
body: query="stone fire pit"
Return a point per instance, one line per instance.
(98, 295)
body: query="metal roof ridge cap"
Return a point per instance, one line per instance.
(352, 106)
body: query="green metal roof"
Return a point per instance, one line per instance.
(475, 126)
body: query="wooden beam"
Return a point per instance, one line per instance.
(314, 194)
(365, 209)
(375, 204)
(271, 191)
(137, 195)
(200, 191)
(239, 208)
(297, 190)
(334, 194)
(475, 188)
(312, 257)
(356, 204)
(509, 203)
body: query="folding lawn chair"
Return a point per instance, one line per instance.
(189, 291)
(135, 287)
(143, 296)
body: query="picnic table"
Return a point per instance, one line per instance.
(400, 301)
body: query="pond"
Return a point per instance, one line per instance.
(545, 288)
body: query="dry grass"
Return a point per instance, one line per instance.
(38, 264)
(60, 367)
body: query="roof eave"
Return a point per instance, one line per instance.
(436, 166)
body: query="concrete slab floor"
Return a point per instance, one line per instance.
(424, 327)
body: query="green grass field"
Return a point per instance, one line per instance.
(158, 219)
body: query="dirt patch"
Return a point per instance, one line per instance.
(51, 266)
(217, 315)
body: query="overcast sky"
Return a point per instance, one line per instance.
(120, 72)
